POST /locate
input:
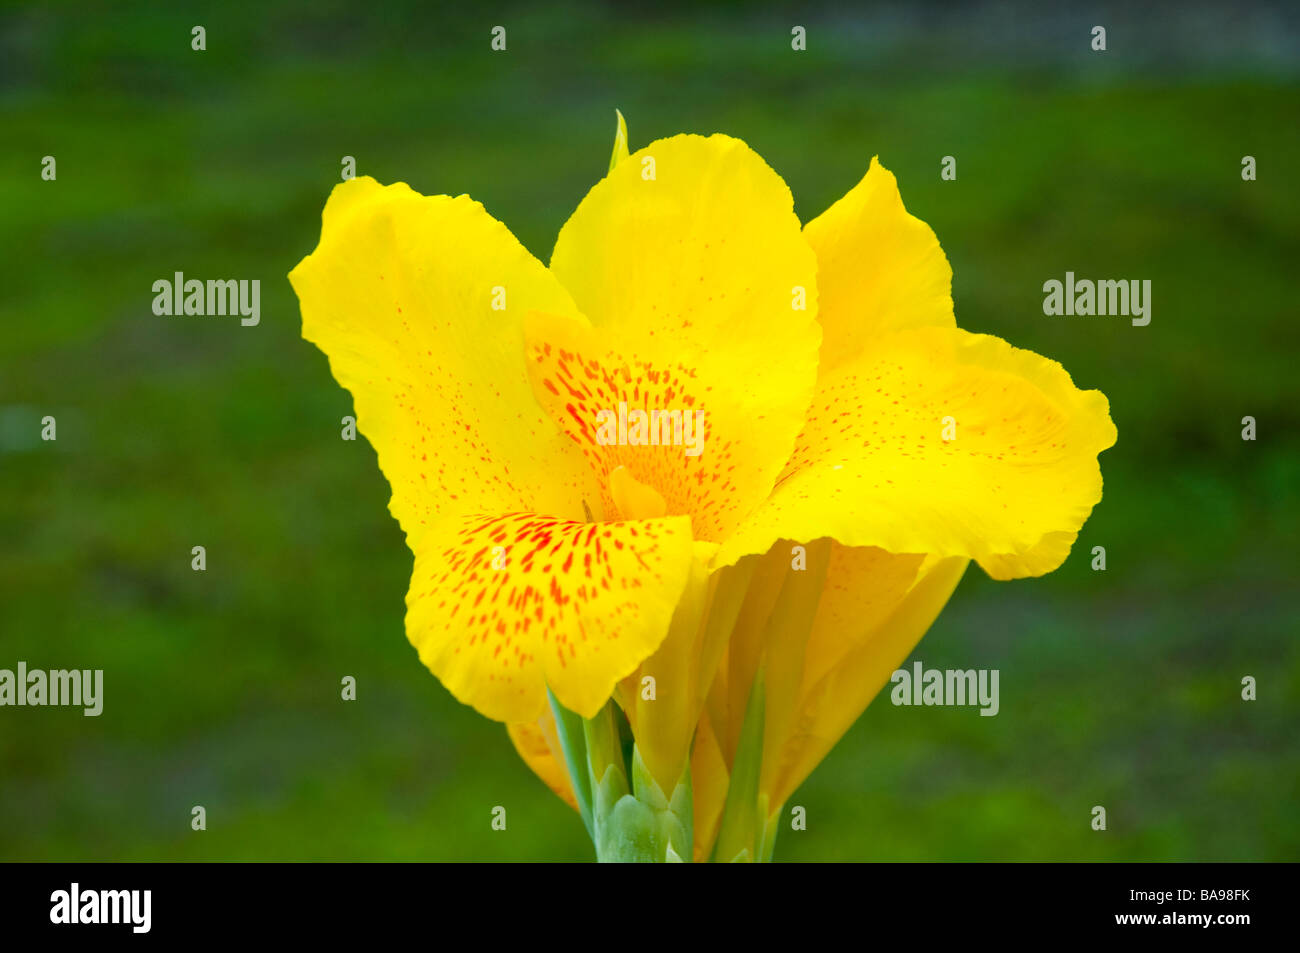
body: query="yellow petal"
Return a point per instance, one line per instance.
(827, 626)
(864, 587)
(513, 604)
(419, 304)
(729, 695)
(538, 745)
(663, 697)
(873, 468)
(786, 639)
(877, 643)
(400, 294)
(808, 612)
(1041, 558)
(880, 269)
(772, 626)
(689, 263)
(709, 780)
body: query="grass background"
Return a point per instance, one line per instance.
(1119, 688)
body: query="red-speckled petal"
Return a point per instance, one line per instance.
(507, 605)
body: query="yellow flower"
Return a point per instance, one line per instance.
(856, 450)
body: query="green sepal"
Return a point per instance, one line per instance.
(568, 725)
(605, 764)
(675, 815)
(620, 144)
(628, 832)
(619, 831)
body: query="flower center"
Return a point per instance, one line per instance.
(633, 499)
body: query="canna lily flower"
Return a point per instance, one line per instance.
(675, 639)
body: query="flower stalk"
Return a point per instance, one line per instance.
(628, 815)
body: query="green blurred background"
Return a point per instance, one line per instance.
(1119, 688)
